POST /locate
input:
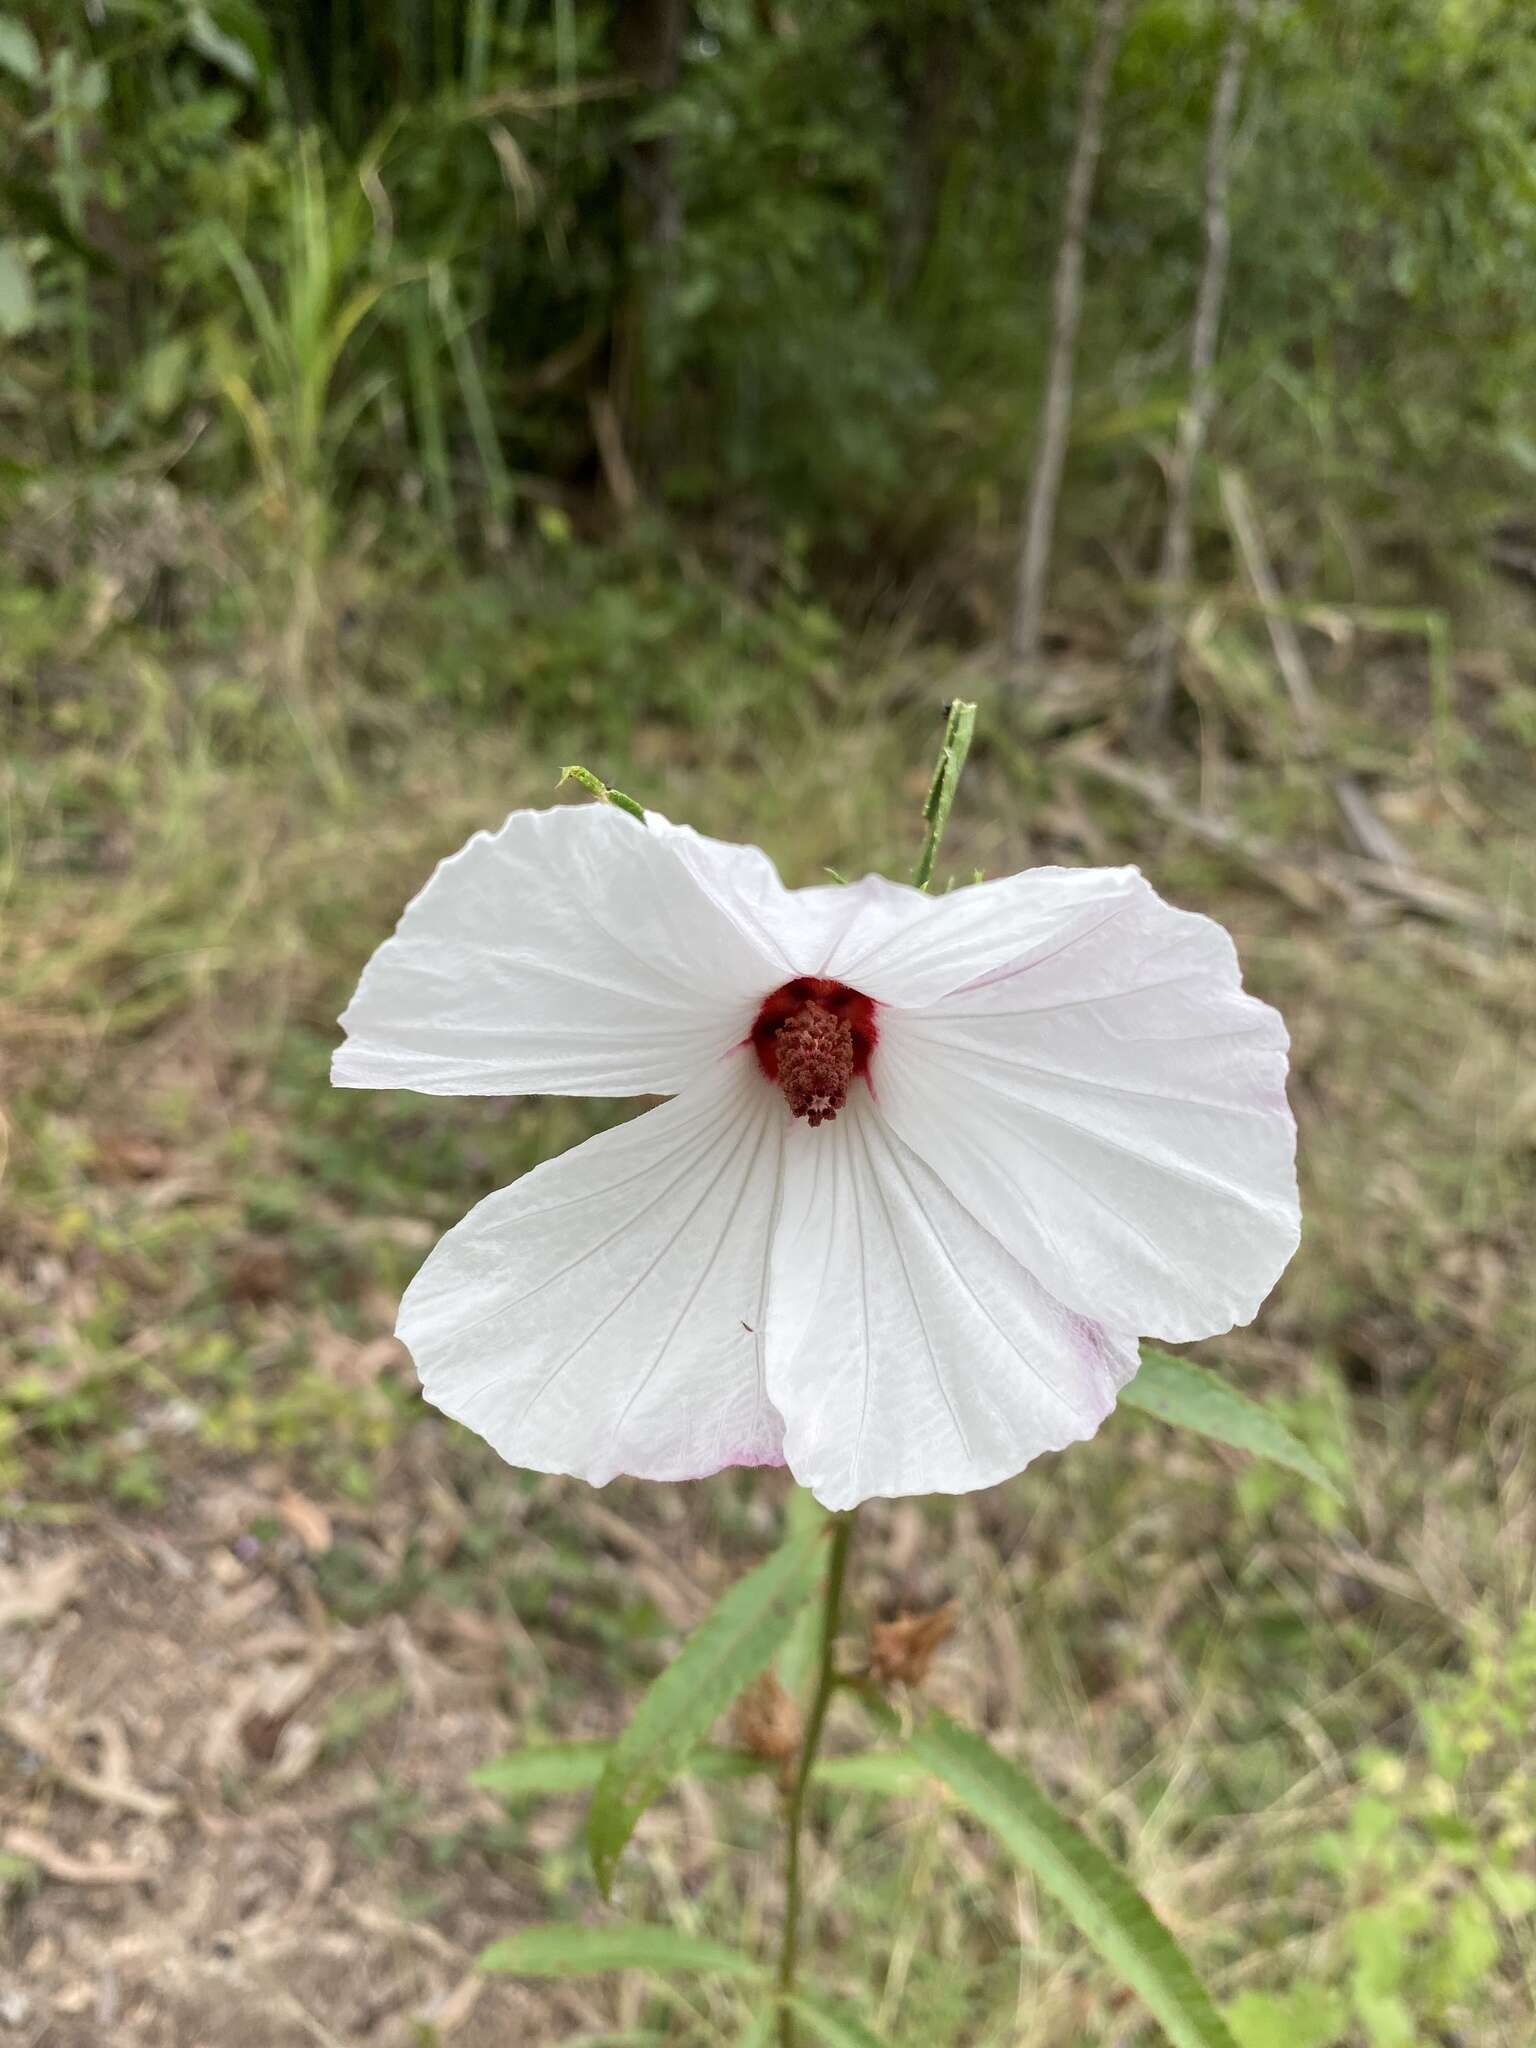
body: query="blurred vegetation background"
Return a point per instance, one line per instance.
(398, 400)
(489, 274)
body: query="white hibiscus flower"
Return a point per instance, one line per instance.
(930, 1168)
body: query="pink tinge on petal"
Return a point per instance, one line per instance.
(741, 1461)
(1269, 1094)
(1094, 1348)
(744, 1458)
(755, 1456)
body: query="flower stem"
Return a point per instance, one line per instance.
(959, 725)
(794, 1804)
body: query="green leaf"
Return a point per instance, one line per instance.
(18, 304)
(18, 50)
(833, 2024)
(733, 1643)
(163, 376)
(227, 52)
(1512, 1892)
(555, 1767)
(1101, 1900)
(884, 1771)
(800, 1652)
(544, 1767)
(244, 22)
(1186, 1395)
(577, 1766)
(34, 208)
(561, 1950)
(90, 86)
(1308, 2017)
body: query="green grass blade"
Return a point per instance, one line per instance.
(835, 2026)
(1101, 1900)
(427, 401)
(258, 304)
(728, 1649)
(478, 410)
(1186, 1395)
(560, 1950)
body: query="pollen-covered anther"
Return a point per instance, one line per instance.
(815, 1057)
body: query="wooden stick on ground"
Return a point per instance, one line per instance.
(1347, 879)
(1364, 827)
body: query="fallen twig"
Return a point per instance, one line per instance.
(58, 1863)
(1355, 807)
(111, 1784)
(1345, 878)
(37, 1593)
(1283, 638)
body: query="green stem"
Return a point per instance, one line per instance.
(959, 725)
(794, 1805)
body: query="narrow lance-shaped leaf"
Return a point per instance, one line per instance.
(1101, 1900)
(550, 1768)
(543, 1767)
(795, 1660)
(728, 1649)
(559, 1950)
(1186, 1395)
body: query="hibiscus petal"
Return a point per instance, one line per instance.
(571, 952)
(888, 940)
(907, 1351)
(605, 1313)
(1111, 1105)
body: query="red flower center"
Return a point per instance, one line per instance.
(812, 1038)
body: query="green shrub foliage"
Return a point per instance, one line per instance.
(783, 267)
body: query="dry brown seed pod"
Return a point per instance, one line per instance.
(902, 1650)
(767, 1721)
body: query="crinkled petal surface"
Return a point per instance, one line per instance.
(907, 1351)
(1108, 1102)
(1074, 1133)
(605, 1314)
(572, 952)
(889, 940)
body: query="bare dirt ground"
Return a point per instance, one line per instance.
(206, 1876)
(248, 1824)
